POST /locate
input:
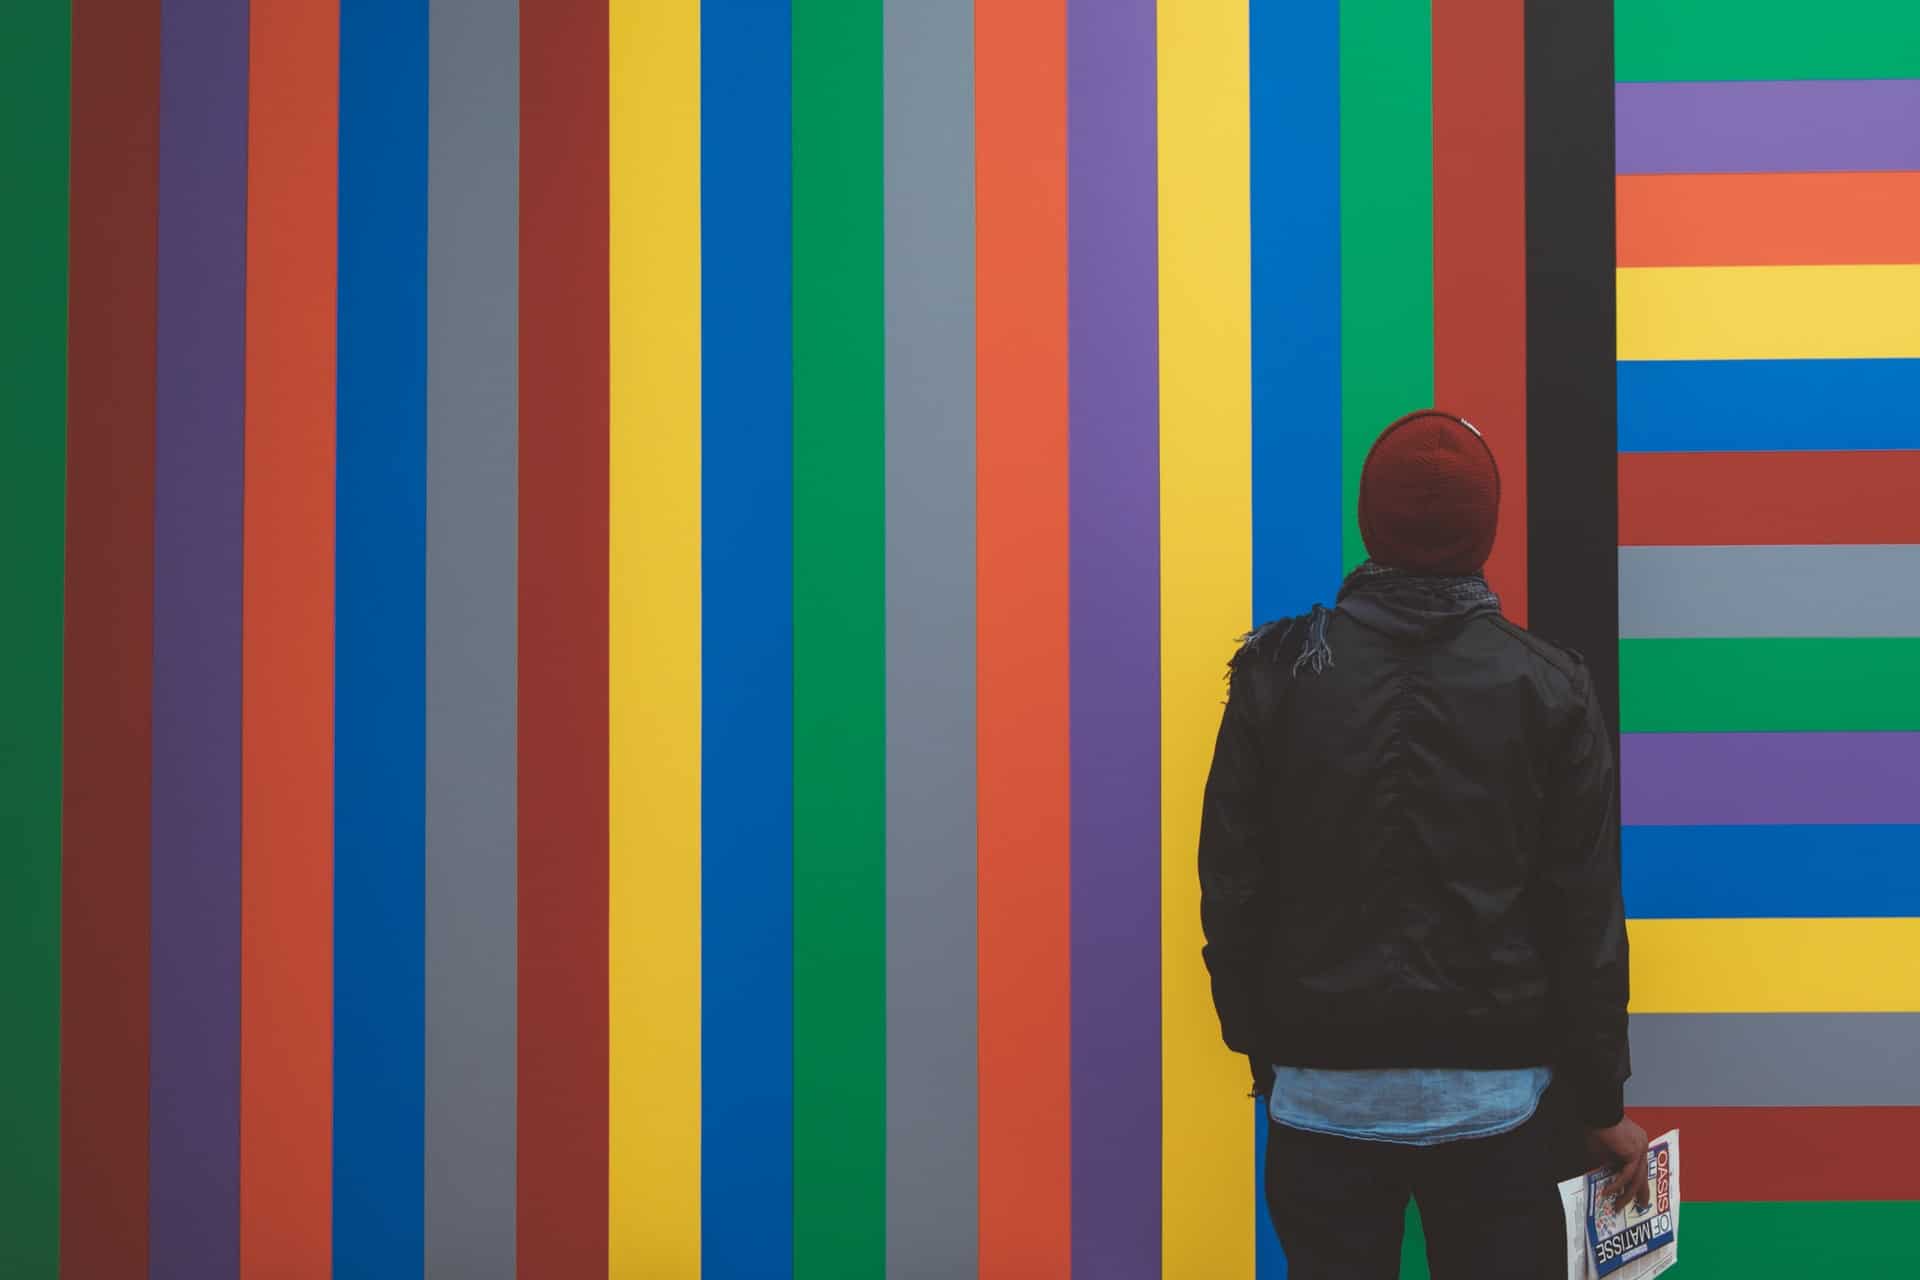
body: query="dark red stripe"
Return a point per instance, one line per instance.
(1730, 499)
(1792, 1153)
(109, 638)
(1480, 251)
(562, 1225)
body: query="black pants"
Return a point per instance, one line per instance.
(1489, 1207)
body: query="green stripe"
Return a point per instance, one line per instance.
(1386, 228)
(839, 707)
(1772, 685)
(1766, 40)
(33, 449)
(1858, 1241)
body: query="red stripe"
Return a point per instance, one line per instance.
(106, 868)
(1792, 1153)
(1021, 323)
(562, 1124)
(1731, 499)
(286, 943)
(1480, 252)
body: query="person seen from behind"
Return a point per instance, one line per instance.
(1410, 890)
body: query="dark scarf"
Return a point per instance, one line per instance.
(1397, 602)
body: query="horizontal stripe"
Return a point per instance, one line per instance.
(1775, 1060)
(1793, 1153)
(1770, 591)
(1776, 966)
(1760, 39)
(1766, 219)
(1670, 406)
(1678, 779)
(1768, 313)
(1703, 872)
(1767, 126)
(1769, 685)
(1688, 499)
(1748, 1242)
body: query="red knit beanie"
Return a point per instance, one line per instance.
(1430, 496)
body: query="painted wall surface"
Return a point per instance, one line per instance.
(617, 610)
(1769, 344)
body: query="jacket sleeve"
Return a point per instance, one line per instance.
(1586, 925)
(1233, 839)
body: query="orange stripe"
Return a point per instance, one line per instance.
(1020, 123)
(286, 989)
(1480, 252)
(1767, 219)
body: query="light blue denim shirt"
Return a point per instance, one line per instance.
(1417, 1106)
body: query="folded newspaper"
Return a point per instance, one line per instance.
(1625, 1242)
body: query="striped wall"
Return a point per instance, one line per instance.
(1768, 188)
(616, 610)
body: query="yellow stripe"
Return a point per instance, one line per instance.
(1769, 313)
(653, 748)
(1206, 567)
(1776, 966)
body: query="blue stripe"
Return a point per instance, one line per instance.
(379, 641)
(1679, 406)
(1269, 1260)
(1810, 872)
(746, 168)
(1295, 106)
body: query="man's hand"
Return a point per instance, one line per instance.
(1262, 1076)
(1623, 1148)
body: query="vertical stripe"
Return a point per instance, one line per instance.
(1572, 471)
(1294, 138)
(654, 640)
(562, 660)
(1020, 327)
(746, 736)
(34, 128)
(473, 131)
(1479, 252)
(653, 760)
(1297, 448)
(198, 450)
(932, 1082)
(379, 640)
(839, 681)
(1386, 229)
(1206, 568)
(286, 944)
(105, 896)
(1114, 521)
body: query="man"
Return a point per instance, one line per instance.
(1410, 879)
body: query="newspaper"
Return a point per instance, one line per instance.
(1626, 1243)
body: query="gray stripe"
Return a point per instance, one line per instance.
(932, 1082)
(1775, 1060)
(472, 518)
(1769, 591)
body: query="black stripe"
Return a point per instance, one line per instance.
(1573, 500)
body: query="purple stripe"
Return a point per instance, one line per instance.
(199, 395)
(1767, 126)
(1727, 779)
(1113, 332)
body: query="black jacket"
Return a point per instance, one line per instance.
(1410, 851)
